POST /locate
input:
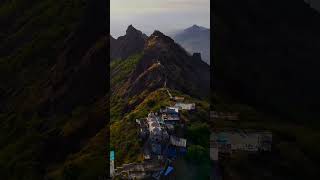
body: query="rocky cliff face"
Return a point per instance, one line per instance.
(165, 62)
(124, 46)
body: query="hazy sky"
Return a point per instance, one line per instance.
(163, 15)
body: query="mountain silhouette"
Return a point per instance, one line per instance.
(195, 39)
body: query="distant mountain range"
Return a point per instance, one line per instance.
(195, 39)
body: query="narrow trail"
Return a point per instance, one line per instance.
(165, 81)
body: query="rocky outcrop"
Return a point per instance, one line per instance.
(124, 46)
(166, 61)
(196, 56)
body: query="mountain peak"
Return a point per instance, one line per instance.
(195, 39)
(158, 39)
(195, 26)
(158, 33)
(131, 30)
(175, 63)
(124, 46)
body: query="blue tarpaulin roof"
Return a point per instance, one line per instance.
(168, 171)
(171, 152)
(183, 151)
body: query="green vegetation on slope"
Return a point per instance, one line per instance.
(120, 71)
(88, 163)
(124, 135)
(32, 37)
(146, 94)
(127, 145)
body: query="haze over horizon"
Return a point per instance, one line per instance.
(166, 16)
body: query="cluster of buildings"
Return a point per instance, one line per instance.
(170, 115)
(162, 145)
(158, 132)
(185, 106)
